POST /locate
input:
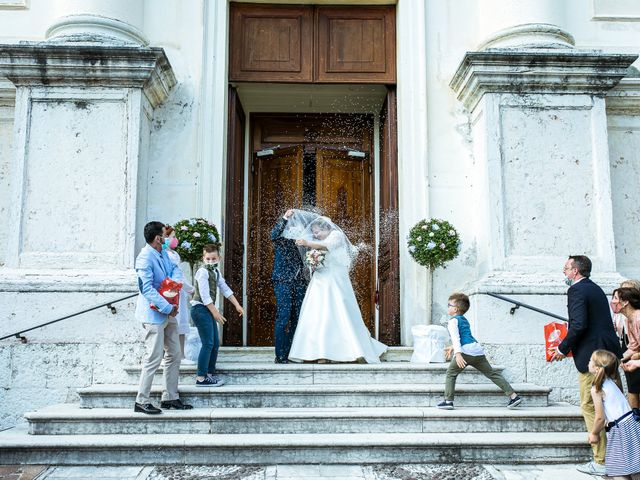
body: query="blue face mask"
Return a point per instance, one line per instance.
(165, 244)
(568, 281)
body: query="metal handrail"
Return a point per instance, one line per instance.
(520, 304)
(109, 305)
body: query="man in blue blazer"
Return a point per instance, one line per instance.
(289, 285)
(590, 329)
(152, 267)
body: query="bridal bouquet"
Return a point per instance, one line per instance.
(314, 259)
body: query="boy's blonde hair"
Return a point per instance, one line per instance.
(461, 302)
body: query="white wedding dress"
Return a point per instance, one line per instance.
(330, 325)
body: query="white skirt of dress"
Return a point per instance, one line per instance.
(330, 325)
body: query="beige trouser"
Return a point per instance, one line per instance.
(161, 338)
(589, 414)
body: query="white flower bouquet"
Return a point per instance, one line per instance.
(314, 259)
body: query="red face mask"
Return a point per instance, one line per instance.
(173, 243)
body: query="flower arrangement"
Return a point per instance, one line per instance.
(314, 259)
(433, 242)
(193, 234)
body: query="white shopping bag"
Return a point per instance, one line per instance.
(429, 342)
(192, 344)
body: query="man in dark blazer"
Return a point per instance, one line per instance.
(289, 285)
(590, 329)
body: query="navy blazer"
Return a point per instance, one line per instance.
(590, 324)
(287, 263)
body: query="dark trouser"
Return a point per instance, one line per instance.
(289, 297)
(208, 331)
(481, 364)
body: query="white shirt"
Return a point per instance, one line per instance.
(473, 349)
(202, 282)
(614, 401)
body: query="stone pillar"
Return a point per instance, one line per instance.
(623, 118)
(542, 185)
(7, 102)
(82, 122)
(540, 144)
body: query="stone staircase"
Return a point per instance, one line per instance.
(304, 413)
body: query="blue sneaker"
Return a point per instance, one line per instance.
(207, 382)
(445, 405)
(219, 381)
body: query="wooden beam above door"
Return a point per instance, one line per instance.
(312, 43)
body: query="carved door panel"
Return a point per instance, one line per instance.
(344, 193)
(234, 218)
(355, 44)
(276, 185)
(389, 246)
(271, 43)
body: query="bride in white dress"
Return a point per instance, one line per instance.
(330, 325)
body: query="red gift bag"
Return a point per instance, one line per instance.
(554, 333)
(170, 290)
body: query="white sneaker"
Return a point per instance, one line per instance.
(592, 468)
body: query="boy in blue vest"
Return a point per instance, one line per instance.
(467, 351)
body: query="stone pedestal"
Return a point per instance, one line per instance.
(82, 121)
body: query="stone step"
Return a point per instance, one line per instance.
(68, 419)
(18, 447)
(316, 396)
(267, 354)
(256, 373)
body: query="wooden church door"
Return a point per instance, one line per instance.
(277, 186)
(344, 194)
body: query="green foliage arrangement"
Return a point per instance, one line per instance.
(433, 242)
(193, 234)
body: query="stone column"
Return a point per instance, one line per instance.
(82, 122)
(100, 20)
(542, 187)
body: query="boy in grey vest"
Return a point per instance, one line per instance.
(467, 351)
(205, 315)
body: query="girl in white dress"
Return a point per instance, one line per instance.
(330, 325)
(187, 289)
(613, 414)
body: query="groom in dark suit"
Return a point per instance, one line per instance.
(590, 329)
(289, 285)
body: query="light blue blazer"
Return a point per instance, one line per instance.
(152, 267)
